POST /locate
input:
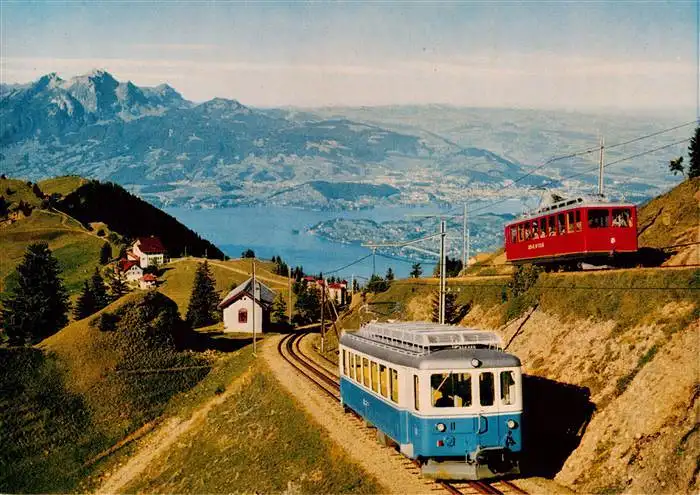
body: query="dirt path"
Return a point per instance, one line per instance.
(160, 440)
(348, 432)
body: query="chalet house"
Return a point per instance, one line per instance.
(148, 251)
(239, 304)
(338, 292)
(148, 281)
(130, 270)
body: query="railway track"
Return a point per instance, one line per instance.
(289, 347)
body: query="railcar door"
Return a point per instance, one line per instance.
(487, 425)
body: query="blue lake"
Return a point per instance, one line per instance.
(271, 231)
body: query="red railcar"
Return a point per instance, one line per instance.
(572, 231)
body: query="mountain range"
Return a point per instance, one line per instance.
(220, 152)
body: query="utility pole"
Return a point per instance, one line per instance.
(352, 286)
(289, 288)
(442, 272)
(601, 166)
(465, 257)
(323, 319)
(253, 319)
(374, 261)
(469, 244)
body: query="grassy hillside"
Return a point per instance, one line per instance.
(87, 387)
(673, 218)
(62, 185)
(13, 191)
(257, 441)
(77, 249)
(179, 277)
(132, 217)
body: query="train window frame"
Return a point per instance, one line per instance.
(383, 380)
(457, 393)
(351, 365)
(394, 382)
(561, 223)
(535, 229)
(513, 234)
(358, 369)
(416, 392)
(365, 372)
(345, 362)
(480, 385)
(543, 227)
(569, 221)
(521, 237)
(508, 398)
(374, 373)
(598, 221)
(551, 226)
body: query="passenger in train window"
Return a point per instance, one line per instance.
(621, 218)
(570, 221)
(535, 230)
(552, 228)
(562, 224)
(578, 221)
(543, 227)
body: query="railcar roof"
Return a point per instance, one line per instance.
(423, 337)
(445, 358)
(568, 204)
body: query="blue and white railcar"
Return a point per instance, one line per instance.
(447, 396)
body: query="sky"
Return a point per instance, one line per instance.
(553, 55)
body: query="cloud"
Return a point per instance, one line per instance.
(535, 80)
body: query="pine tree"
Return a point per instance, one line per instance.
(105, 253)
(99, 290)
(37, 307)
(389, 275)
(450, 306)
(416, 270)
(694, 155)
(279, 310)
(85, 305)
(116, 285)
(202, 309)
(676, 165)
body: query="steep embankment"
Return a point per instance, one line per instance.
(612, 363)
(86, 388)
(673, 219)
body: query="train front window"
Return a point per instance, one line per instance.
(486, 391)
(451, 389)
(507, 388)
(621, 217)
(598, 218)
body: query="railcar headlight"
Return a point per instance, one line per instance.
(511, 424)
(441, 427)
(476, 363)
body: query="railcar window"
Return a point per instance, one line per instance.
(621, 217)
(570, 221)
(394, 381)
(543, 227)
(383, 380)
(345, 362)
(365, 371)
(561, 222)
(535, 230)
(451, 389)
(552, 228)
(416, 392)
(375, 377)
(486, 392)
(358, 368)
(598, 218)
(578, 220)
(507, 388)
(351, 365)
(513, 235)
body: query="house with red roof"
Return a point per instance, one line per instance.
(148, 281)
(148, 251)
(129, 270)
